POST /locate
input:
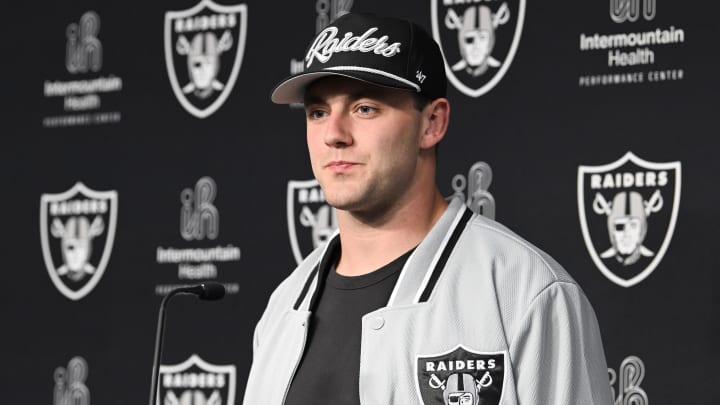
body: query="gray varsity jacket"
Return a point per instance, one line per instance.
(478, 316)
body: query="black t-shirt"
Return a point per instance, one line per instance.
(329, 372)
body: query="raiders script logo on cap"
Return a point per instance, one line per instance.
(461, 377)
(383, 51)
(327, 43)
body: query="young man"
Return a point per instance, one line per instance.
(415, 301)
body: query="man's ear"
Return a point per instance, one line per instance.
(436, 117)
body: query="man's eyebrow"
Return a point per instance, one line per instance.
(312, 99)
(316, 99)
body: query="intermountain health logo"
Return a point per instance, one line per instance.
(204, 48)
(628, 210)
(195, 257)
(478, 40)
(197, 382)
(474, 189)
(70, 383)
(87, 89)
(628, 379)
(461, 377)
(634, 46)
(77, 231)
(311, 221)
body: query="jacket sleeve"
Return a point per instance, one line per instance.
(557, 354)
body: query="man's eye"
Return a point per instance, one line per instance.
(316, 114)
(365, 109)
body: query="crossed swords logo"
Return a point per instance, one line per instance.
(455, 22)
(485, 381)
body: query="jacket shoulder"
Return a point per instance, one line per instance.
(510, 251)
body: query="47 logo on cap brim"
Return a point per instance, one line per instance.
(204, 47)
(77, 230)
(461, 377)
(628, 210)
(196, 381)
(478, 40)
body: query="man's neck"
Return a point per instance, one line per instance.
(367, 245)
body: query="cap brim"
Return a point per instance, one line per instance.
(292, 89)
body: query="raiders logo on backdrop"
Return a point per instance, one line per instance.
(461, 377)
(204, 47)
(198, 382)
(77, 230)
(628, 210)
(478, 40)
(311, 221)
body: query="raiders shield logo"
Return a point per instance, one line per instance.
(204, 47)
(628, 211)
(478, 40)
(77, 230)
(461, 377)
(196, 382)
(311, 221)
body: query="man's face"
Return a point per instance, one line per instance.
(627, 234)
(364, 142)
(203, 60)
(461, 398)
(477, 46)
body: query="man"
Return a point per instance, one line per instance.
(416, 300)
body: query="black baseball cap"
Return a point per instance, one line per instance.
(384, 51)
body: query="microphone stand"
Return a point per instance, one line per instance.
(209, 291)
(158, 344)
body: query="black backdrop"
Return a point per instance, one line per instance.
(555, 108)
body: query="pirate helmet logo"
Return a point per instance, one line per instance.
(461, 377)
(311, 221)
(204, 47)
(73, 225)
(477, 41)
(633, 209)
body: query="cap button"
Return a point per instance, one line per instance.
(377, 323)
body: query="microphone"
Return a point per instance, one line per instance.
(208, 291)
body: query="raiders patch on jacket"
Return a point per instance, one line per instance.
(461, 377)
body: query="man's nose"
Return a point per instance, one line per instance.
(338, 133)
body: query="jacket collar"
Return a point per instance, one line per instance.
(421, 271)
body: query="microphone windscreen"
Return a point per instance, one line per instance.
(212, 291)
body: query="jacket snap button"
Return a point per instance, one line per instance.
(377, 322)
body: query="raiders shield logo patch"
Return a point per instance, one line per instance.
(461, 377)
(204, 47)
(197, 382)
(77, 230)
(478, 40)
(311, 221)
(628, 210)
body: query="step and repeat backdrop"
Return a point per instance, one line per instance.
(140, 152)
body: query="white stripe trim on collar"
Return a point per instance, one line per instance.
(375, 71)
(438, 253)
(401, 279)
